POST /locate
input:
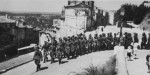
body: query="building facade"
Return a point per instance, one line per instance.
(17, 33)
(79, 14)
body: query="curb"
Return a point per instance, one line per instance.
(5, 70)
(126, 66)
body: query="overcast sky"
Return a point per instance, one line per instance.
(56, 5)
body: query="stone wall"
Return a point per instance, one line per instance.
(121, 66)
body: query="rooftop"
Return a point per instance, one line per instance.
(3, 19)
(81, 5)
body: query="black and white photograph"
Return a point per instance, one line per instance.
(74, 37)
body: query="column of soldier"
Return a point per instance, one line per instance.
(74, 46)
(129, 41)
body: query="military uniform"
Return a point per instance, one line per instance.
(37, 58)
(52, 52)
(109, 41)
(144, 40)
(59, 52)
(67, 49)
(104, 45)
(136, 40)
(115, 40)
(45, 51)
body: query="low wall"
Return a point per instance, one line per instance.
(121, 66)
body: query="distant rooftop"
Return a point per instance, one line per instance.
(4, 19)
(147, 3)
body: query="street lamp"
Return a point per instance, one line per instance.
(122, 12)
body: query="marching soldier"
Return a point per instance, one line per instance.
(59, 52)
(45, 49)
(86, 44)
(67, 50)
(115, 40)
(144, 40)
(95, 43)
(104, 45)
(37, 57)
(100, 42)
(109, 41)
(52, 52)
(77, 47)
(126, 40)
(136, 40)
(90, 43)
(148, 62)
(72, 51)
(148, 43)
(135, 45)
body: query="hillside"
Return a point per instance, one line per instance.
(16, 13)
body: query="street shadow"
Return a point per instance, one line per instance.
(53, 62)
(62, 62)
(74, 57)
(43, 68)
(130, 60)
(136, 58)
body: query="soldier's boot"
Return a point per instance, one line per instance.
(52, 60)
(68, 57)
(44, 59)
(59, 60)
(38, 67)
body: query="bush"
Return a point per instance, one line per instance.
(107, 69)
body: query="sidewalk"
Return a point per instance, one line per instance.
(15, 62)
(138, 66)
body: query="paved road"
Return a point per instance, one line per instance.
(14, 62)
(138, 66)
(73, 65)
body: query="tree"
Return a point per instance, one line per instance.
(133, 12)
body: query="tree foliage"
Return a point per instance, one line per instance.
(134, 13)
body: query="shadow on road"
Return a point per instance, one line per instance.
(136, 58)
(43, 68)
(62, 62)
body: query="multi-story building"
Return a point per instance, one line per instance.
(78, 14)
(17, 32)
